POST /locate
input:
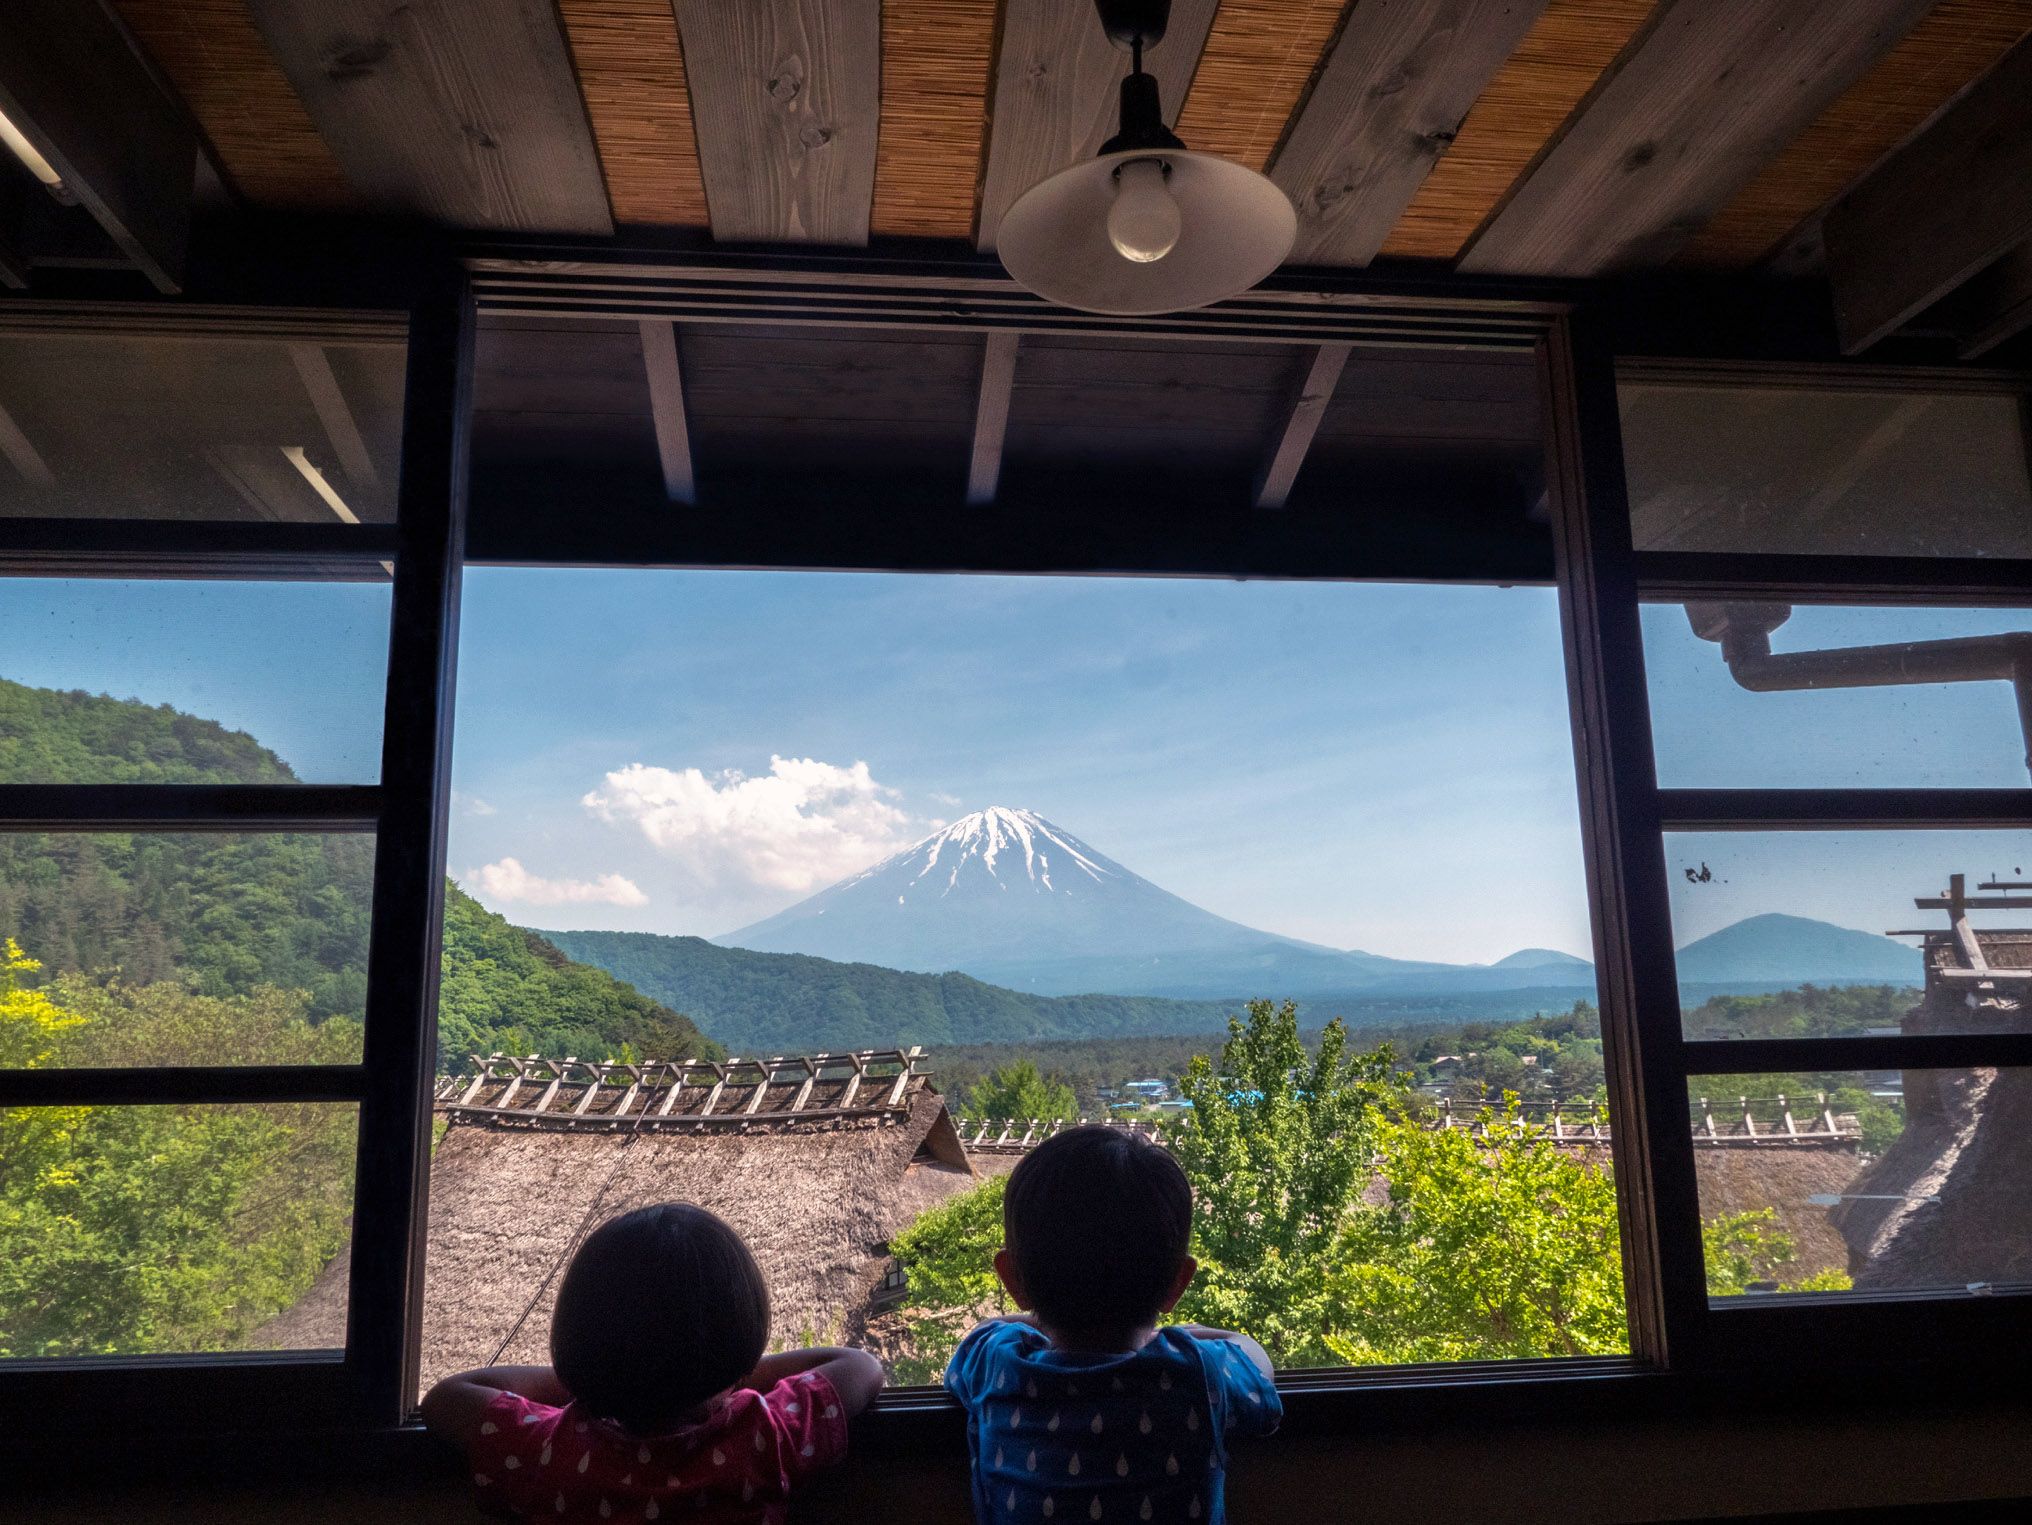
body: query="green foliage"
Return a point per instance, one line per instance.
(70, 737)
(949, 1254)
(1742, 1249)
(135, 1230)
(1811, 1011)
(1485, 1248)
(1278, 1155)
(793, 1003)
(511, 990)
(1018, 1091)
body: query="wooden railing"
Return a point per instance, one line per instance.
(688, 1095)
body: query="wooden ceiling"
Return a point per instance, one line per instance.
(1526, 137)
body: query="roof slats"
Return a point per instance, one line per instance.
(1708, 92)
(786, 102)
(1389, 101)
(464, 111)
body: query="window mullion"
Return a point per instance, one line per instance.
(196, 1085)
(189, 807)
(1828, 809)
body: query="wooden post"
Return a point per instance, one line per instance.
(482, 1073)
(593, 1077)
(853, 1089)
(761, 1086)
(1749, 1123)
(811, 1068)
(719, 1085)
(1827, 1117)
(1785, 1112)
(550, 1091)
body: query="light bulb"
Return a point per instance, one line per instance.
(1143, 223)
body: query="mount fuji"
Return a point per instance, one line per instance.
(1008, 897)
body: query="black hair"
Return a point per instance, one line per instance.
(662, 1308)
(1098, 1221)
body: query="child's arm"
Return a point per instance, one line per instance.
(855, 1375)
(454, 1406)
(1255, 1352)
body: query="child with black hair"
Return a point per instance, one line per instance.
(658, 1394)
(1084, 1409)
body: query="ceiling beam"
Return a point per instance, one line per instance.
(666, 409)
(1057, 92)
(466, 112)
(328, 399)
(1696, 105)
(1394, 91)
(786, 102)
(20, 453)
(1994, 306)
(1308, 405)
(991, 416)
(1952, 201)
(75, 88)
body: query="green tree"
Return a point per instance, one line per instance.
(1748, 1247)
(1279, 1153)
(948, 1255)
(1018, 1091)
(1486, 1247)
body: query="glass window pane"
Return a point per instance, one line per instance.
(1782, 468)
(153, 1230)
(185, 682)
(180, 949)
(1885, 1181)
(1068, 824)
(1784, 934)
(200, 425)
(1765, 695)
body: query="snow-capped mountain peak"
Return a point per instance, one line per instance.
(989, 837)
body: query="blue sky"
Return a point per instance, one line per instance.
(1372, 766)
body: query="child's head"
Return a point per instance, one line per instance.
(1096, 1223)
(661, 1309)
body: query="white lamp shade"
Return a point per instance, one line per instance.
(1235, 228)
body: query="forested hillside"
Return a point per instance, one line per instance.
(793, 1002)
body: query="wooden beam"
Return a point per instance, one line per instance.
(21, 453)
(1393, 93)
(786, 101)
(1056, 92)
(666, 409)
(1687, 116)
(328, 398)
(73, 85)
(1994, 306)
(1301, 421)
(991, 415)
(1950, 202)
(463, 111)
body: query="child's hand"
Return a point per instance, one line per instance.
(453, 1407)
(855, 1375)
(1250, 1348)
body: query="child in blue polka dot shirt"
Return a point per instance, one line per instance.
(1081, 1409)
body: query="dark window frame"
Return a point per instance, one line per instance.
(368, 1384)
(1683, 1352)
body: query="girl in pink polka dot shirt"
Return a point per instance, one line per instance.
(659, 1398)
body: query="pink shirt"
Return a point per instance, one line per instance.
(736, 1465)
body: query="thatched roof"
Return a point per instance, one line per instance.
(817, 1199)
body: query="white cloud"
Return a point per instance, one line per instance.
(508, 880)
(800, 827)
(950, 801)
(471, 804)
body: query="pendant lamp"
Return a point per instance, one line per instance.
(1149, 226)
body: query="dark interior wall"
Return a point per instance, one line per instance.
(1730, 1465)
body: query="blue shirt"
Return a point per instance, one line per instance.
(1074, 1437)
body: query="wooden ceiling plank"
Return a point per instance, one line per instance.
(464, 111)
(786, 102)
(1777, 215)
(264, 140)
(631, 73)
(1950, 202)
(991, 416)
(1706, 95)
(1560, 59)
(1995, 306)
(1309, 400)
(1392, 96)
(1057, 92)
(936, 58)
(666, 409)
(72, 84)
